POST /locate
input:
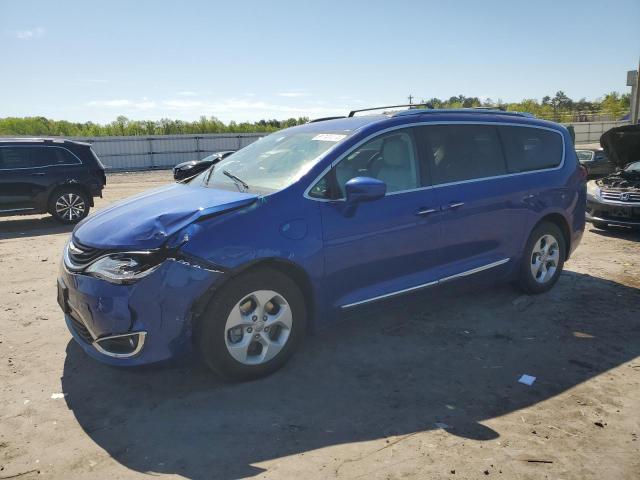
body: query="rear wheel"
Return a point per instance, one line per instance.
(543, 259)
(252, 325)
(69, 205)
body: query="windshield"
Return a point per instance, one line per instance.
(633, 167)
(271, 163)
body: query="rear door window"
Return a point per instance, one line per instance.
(462, 152)
(12, 158)
(528, 149)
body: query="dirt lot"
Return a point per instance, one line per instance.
(422, 387)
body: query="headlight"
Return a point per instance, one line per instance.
(593, 190)
(123, 267)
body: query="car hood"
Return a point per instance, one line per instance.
(622, 144)
(147, 220)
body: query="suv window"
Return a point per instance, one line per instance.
(34, 157)
(584, 155)
(529, 149)
(600, 157)
(390, 157)
(463, 152)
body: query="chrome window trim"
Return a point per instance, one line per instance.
(41, 166)
(429, 284)
(426, 123)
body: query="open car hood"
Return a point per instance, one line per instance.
(622, 144)
(147, 220)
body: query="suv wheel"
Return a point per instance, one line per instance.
(252, 325)
(543, 259)
(69, 205)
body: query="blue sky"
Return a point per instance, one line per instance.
(247, 60)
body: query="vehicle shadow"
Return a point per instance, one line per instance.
(33, 226)
(618, 232)
(394, 369)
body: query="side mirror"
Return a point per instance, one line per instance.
(364, 189)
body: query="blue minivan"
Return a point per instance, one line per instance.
(285, 235)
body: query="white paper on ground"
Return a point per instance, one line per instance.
(527, 379)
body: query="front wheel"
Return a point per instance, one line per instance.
(69, 205)
(543, 259)
(252, 325)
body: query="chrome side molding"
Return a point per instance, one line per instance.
(429, 284)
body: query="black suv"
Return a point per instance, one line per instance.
(60, 177)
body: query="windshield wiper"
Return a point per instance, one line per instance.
(236, 180)
(206, 182)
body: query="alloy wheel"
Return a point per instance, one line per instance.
(545, 258)
(258, 327)
(70, 206)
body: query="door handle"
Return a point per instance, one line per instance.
(38, 173)
(425, 211)
(456, 205)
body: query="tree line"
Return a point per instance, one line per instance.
(41, 126)
(559, 108)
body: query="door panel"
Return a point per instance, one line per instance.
(29, 173)
(482, 208)
(486, 228)
(20, 177)
(379, 247)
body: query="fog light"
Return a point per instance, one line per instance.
(121, 346)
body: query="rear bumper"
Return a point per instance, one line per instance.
(145, 322)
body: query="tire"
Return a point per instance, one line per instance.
(544, 234)
(216, 340)
(600, 225)
(69, 205)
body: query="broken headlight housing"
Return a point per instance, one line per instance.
(125, 267)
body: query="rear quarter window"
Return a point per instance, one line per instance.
(527, 149)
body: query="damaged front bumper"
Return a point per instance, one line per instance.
(139, 323)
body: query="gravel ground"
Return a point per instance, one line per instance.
(421, 387)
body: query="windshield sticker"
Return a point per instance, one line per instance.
(329, 137)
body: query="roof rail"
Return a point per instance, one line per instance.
(410, 105)
(476, 110)
(325, 118)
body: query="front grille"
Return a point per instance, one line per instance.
(80, 255)
(80, 329)
(630, 197)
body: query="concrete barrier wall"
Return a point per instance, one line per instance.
(590, 132)
(162, 151)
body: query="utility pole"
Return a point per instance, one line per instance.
(633, 79)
